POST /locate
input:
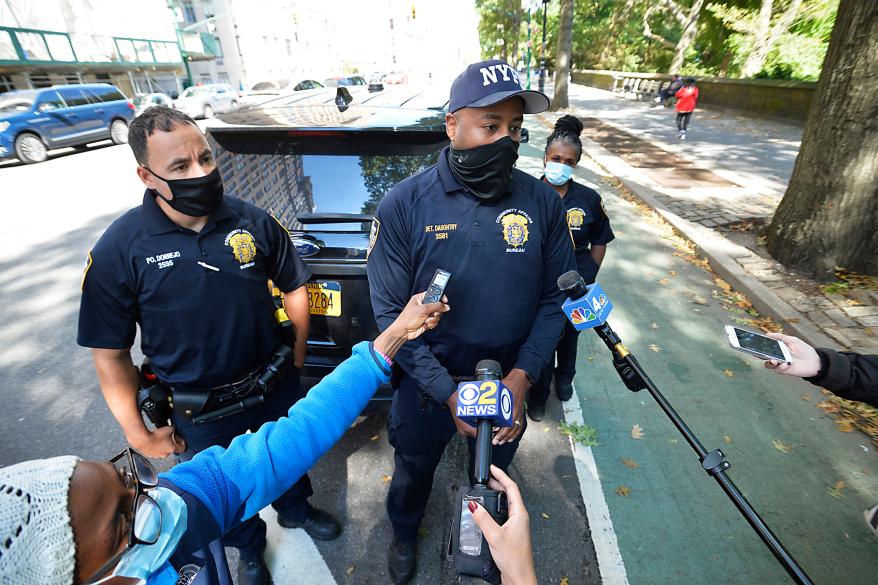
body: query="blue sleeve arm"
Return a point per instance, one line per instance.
(237, 482)
(390, 285)
(548, 323)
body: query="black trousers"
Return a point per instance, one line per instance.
(562, 366)
(419, 430)
(683, 120)
(249, 536)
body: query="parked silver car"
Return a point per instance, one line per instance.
(203, 101)
(147, 100)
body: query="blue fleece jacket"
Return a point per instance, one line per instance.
(234, 484)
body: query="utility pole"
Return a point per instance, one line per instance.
(543, 48)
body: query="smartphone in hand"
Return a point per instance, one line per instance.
(758, 345)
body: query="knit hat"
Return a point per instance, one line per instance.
(36, 538)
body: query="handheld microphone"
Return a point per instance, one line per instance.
(483, 403)
(588, 307)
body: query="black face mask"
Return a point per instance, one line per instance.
(485, 170)
(194, 197)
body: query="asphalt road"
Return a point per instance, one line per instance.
(655, 516)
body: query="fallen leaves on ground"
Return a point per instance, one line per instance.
(654, 347)
(728, 373)
(623, 491)
(630, 463)
(836, 490)
(806, 397)
(850, 415)
(655, 325)
(636, 432)
(781, 446)
(673, 273)
(697, 299)
(664, 281)
(727, 439)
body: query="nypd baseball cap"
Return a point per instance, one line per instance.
(489, 82)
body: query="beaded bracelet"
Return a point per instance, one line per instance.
(384, 355)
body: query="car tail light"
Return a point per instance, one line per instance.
(131, 106)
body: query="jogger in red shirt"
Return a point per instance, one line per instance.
(687, 96)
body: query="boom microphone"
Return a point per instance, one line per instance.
(587, 307)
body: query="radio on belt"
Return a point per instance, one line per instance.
(437, 287)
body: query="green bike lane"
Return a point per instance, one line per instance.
(672, 522)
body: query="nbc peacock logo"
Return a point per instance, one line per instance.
(578, 315)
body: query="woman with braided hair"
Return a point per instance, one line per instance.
(591, 232)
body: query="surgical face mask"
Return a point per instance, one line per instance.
(144, 560)
(195, 197)
(557, 173)
(485, 170)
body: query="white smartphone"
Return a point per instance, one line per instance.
(757, 344)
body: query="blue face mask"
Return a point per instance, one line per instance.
(557, 173)
(143, 561)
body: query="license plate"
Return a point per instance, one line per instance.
(324, 298)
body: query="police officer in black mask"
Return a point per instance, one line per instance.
(503, 237)
(190, 267)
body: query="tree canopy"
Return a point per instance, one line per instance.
(778, 39)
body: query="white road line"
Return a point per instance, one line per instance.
(292, 557)
(610, 564)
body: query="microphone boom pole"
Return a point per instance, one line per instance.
(713, 462)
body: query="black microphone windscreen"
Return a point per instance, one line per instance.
(572, 284)
(489, 370)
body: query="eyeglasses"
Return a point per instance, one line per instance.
(136, 472)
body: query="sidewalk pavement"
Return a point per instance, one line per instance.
(726, 178)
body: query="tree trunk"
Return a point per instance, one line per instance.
(756, 58)
(516, 33)
(829, 214)
(620, 17)
(766, 36)
(690, 27)
(565, 48)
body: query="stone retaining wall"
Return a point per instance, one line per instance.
(760, 97)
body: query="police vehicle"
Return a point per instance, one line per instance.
(320, 161)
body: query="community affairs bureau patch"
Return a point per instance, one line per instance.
(243, 247)
(373, 235)
(514, 223)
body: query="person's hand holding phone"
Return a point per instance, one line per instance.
(806, 361)
(510, 543)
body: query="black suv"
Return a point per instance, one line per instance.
(321, 163)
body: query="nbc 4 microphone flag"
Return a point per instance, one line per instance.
(590, 310)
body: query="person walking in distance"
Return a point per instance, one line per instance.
(687, 97)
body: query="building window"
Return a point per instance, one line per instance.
(72, 78)
(34, 46)
(188, 11)
(102, 77)
(38, 80)
(223, 77)
(206, 78)
(219, 48)
(6, 83)
(289, 48)
(7, 49)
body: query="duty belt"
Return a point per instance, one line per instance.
(208, 404)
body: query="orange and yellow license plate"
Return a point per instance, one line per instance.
(324, 298)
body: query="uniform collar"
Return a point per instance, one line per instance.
(158, 223)
(446, 177)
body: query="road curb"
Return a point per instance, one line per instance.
(719, 251)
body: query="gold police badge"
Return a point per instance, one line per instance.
(575, 218)
(243, 246)
(514, 222)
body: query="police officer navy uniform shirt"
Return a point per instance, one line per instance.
(201, 299)
(504, 257)
(589, 226)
